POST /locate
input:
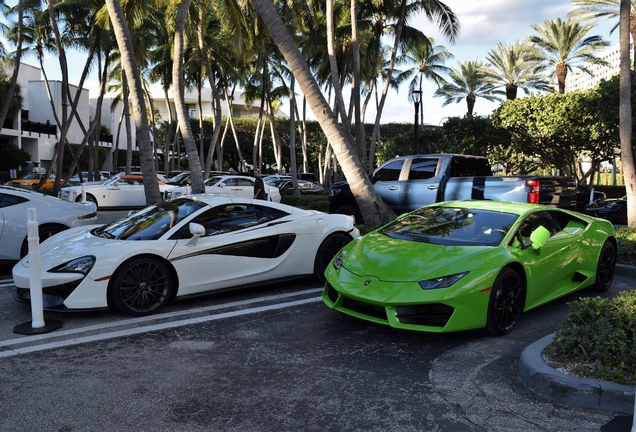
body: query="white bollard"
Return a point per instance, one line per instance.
(35, 273)
(83, 192)
(37, 324)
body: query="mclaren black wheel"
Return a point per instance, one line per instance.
(142, 286)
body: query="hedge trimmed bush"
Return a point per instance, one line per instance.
(311, 202)
(599, 337)
(626, 239)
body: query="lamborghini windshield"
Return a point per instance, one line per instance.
(452, 226)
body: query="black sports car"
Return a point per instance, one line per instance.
(612, 209)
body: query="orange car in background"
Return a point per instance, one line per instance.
(32, 180)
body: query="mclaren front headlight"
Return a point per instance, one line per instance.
(81, 265)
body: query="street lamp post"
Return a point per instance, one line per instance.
(417, 97)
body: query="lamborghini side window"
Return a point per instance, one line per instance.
(554, 222)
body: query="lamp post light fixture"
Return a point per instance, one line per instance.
(417, 98)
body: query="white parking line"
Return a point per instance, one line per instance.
(6, 283)
(7, 344)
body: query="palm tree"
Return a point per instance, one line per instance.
(565, 45)
(430, 60)
(511, 68)
(370, 203)
(604, 10)
(399, 12)
(468, 82)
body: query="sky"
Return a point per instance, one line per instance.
(483, 24)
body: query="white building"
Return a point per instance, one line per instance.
(37, 131)
(580, 80)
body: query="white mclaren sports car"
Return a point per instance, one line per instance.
(53, 215)
(182, 247)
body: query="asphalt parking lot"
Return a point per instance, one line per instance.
(272, 359)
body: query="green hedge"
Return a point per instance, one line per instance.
(312, 202)
(598, 337)
(626, 239)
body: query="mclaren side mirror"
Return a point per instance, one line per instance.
(197, 230)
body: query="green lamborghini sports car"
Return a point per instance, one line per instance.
(469, 264)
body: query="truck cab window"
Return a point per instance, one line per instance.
(389, 172)
(422, 169)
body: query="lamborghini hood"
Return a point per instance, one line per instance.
(404, 260)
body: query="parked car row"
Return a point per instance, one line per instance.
(236, 185)
(448, 266)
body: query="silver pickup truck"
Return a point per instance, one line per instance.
(410, 182)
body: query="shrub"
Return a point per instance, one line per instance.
(599, 337)
(626, 239)
(311, 202)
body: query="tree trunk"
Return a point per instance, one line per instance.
(179, 99)
(625, 113)
(375, 135)
(128, 127)
(292, 135)
(216, 101)
(371, 205)
(561, 74)
(16, 67)
(129, 62)
(355, 91)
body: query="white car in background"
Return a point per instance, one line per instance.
(119, 191)
(52, 214)
(228, 184)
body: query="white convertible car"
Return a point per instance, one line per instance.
(119, 191)
(186, 246)
(53, 216)
(229, 184)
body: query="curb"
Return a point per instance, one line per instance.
(625, 270)
(582, 392)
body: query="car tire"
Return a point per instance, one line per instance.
(327, 250)
(89, 198)
(506, 303)
(44, 232)
(605, 267)
(141, 286)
